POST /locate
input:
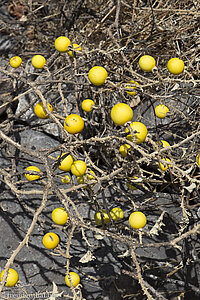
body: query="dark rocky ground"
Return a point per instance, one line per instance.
(169, 272)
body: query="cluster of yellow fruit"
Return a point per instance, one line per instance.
(136, 220)
(38, 61)
(175, 65)
(51, 240)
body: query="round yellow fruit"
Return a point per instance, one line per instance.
(65, 179)
(12, 277)
(198, 159)
(59, 216)
(117, 213)
(137, 220)
(164, 166)
(147, 63)
(161, 110)
(50, 240)
(130, 87)
(73, 124)
(74, 278)
(32, 177)
(87, 105)
(78, 168)
(97, 217)
(140, 132)
(163, 143)
(62, 43)
(76, 48)
(66, 163)
(124, 150)
(121, 113)
(175, 66)
(129, 184)
(38, 61)
(97, 75)
(40, 111)
(81, 180)
(15, 61)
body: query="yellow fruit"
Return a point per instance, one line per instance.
(66, 163)
(124, 150)
(59, 216)
(117, 213)
(78, 168)
(164, 166)
(40, 111)
(12, 277)
(38, 61)
(97, 217)
(74, 123)
(89, 176)
(161, 110)
(50, 240)
(32, 177)
(87, 105)
(97, 75)
(80, 179)
(74, 278)
(147, 63)
(164, 144)
(15, 61)
(62, 43)
(139, 130)
(198, 159)
(121, 113)
(137, 220)
(175, 66)
(129, 184)
(65, 179)
(130, 87)
(76, 48)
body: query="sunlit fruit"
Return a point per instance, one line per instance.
(50, 240)
(163, 143)
(137, 220)
(121, 113)
(59, 216)
(97, 217)
(12, 277)
(73, 124)
(198, 159)
(139, 130)
(62, 43)
(65, 162)
(97, 75)
(175, 66)
(38, 61)
(130, 87)
(75, 48)
(65, 179)
(87, 105)
(147, 63)
(161, 111)
(78, 168)
(74, 278)
(117, 213)
(40, 111)
(163, 165)
(124, 150)
(130, 184)
(15, 61)
(32, 177)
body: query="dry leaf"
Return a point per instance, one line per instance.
(87, 257)
(191, 187)
(135, 101)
